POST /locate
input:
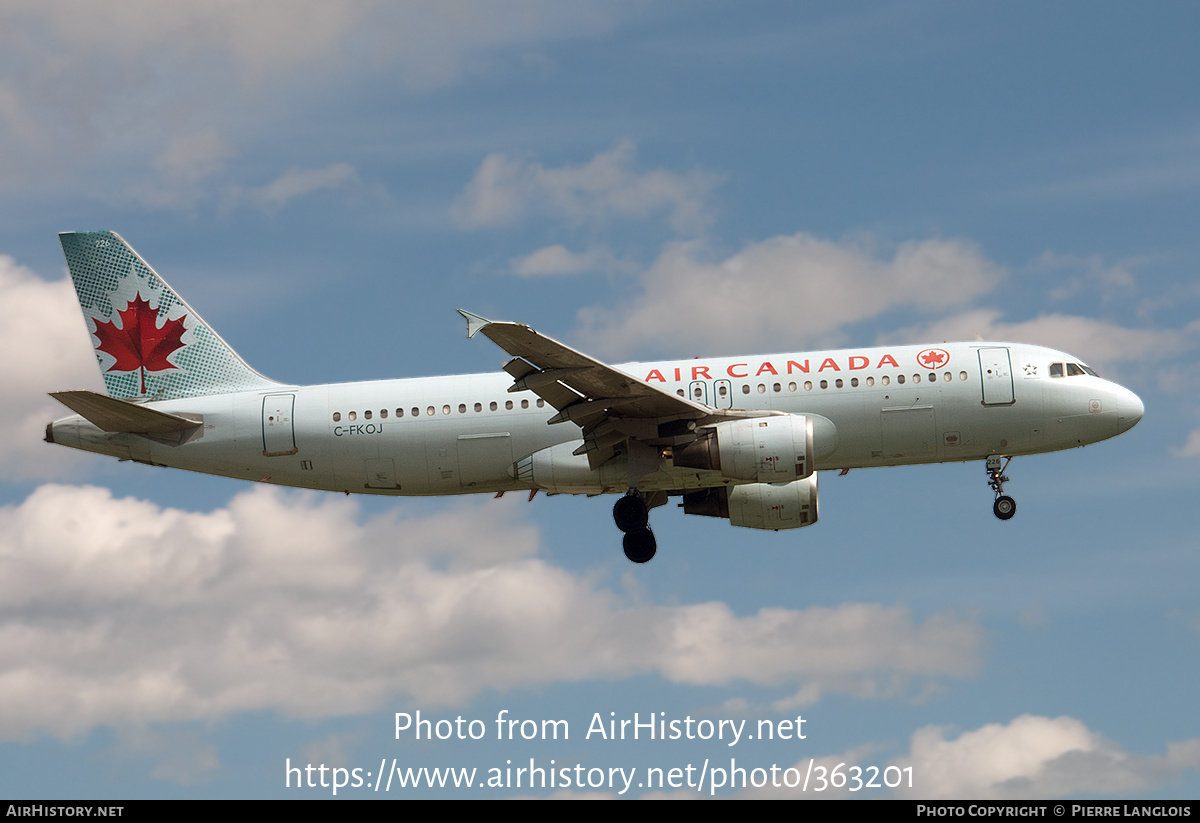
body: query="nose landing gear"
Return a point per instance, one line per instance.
(1004, 507)
(632, 516)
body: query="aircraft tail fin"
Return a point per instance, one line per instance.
(149, 343)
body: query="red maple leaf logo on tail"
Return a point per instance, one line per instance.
(140, 343)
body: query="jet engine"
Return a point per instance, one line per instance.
(759, 505)
(775, 449)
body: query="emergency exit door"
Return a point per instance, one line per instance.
(995, 370)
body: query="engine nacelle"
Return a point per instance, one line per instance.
(759, 505)
(775, 449)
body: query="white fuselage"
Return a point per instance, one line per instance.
(464, 434)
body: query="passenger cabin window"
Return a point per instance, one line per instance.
(337, 416)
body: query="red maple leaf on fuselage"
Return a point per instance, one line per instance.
(140, 343)
(933, 358)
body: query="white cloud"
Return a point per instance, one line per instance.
(1169, 164)
(183, 169)
(431, 42)
(559, 260)
(188, 158)
(1191, 448)
(47, 348)
(858, 648)
(1033, 617)
(181, 756)
(296, 183)
(784, 292)
(1036, 757)
(1087, 274)
(105, 98)
(118, 612)
(1101, 343)
(1031, 757)
(505, 190)
(100, 95)
(268, 36)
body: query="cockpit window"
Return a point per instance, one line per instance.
(1072, 370)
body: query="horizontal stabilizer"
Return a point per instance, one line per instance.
(119, 416)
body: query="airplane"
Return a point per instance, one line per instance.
(739, 438)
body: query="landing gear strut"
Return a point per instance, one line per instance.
(1004, 507)
(632, 515)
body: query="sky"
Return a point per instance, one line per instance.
(327, 181)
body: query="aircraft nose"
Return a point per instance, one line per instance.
(1130, 409)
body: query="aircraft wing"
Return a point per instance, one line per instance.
(608, 404)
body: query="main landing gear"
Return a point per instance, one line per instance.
(1004, 507)
(632, 516)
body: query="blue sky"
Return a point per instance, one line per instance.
(326, 182)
